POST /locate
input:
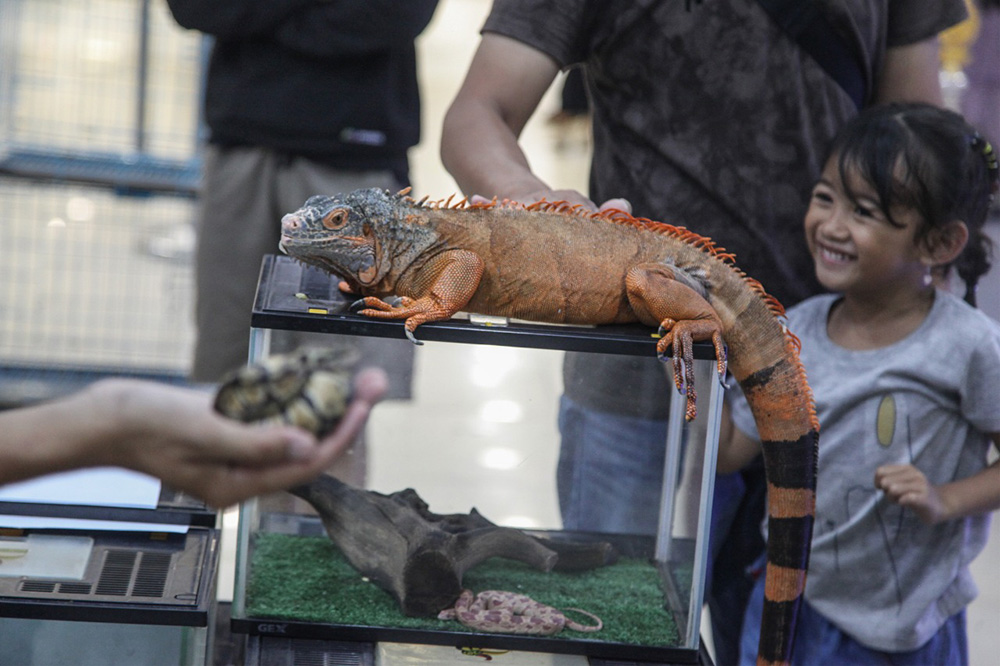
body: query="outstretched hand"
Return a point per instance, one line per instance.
(173, 433)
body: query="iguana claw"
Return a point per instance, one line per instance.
(722, 367)
(373, 306)
(680, 343)
(412, 338)
(377, 303)
(679, 337)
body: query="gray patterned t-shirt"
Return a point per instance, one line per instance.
(706, 116)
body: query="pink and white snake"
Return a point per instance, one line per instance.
(512, 613)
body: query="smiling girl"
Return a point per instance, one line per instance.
(906, 378)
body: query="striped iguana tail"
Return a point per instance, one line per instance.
(765, 362)
(763, 357)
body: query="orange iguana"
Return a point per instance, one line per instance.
(549, 262)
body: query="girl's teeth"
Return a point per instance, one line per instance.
(834, 256)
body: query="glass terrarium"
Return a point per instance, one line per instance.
(107, 581)
(474, 434)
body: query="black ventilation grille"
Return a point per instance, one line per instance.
(116, 576)
(169, 572)
(74, 588)
(151, 579)
(117, 573)
(306, 653)
(54, 587)
(43, 586)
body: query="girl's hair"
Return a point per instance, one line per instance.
(931, 160)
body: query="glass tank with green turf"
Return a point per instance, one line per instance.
(486, 470)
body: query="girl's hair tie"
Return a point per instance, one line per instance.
(989, 154)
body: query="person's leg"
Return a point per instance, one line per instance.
(302, 178)
(610, 472)
(750, 633)
(736, 542)
(819, 641)
(235, 207)
(948, 647)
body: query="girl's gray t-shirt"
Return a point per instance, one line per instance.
(930, 400)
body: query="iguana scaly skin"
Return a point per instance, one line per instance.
(550, 262)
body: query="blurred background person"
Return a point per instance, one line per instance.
(301, 98)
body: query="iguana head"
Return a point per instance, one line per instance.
(342, 234)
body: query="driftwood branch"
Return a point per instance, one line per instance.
(420, 557)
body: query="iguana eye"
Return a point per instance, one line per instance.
(335, 219)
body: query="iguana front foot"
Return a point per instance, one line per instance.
(414, 311)
(371, 302)
(400, 307)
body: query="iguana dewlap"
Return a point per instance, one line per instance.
(550, 262)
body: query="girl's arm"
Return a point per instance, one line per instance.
(736, 448)
(908, 486)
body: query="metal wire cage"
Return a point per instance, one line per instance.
(99, 85)
(99, 164)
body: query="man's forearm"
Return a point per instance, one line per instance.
(479, 142)
(483, 156)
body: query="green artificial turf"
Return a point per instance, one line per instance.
(307, 579)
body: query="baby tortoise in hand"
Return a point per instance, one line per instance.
(309, 388)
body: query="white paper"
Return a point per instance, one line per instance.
(100, 486)
(85, 525)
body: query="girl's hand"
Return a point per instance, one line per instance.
(908, 487)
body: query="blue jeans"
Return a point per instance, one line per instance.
(610, 473)
(736, 544)
(818, 641)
